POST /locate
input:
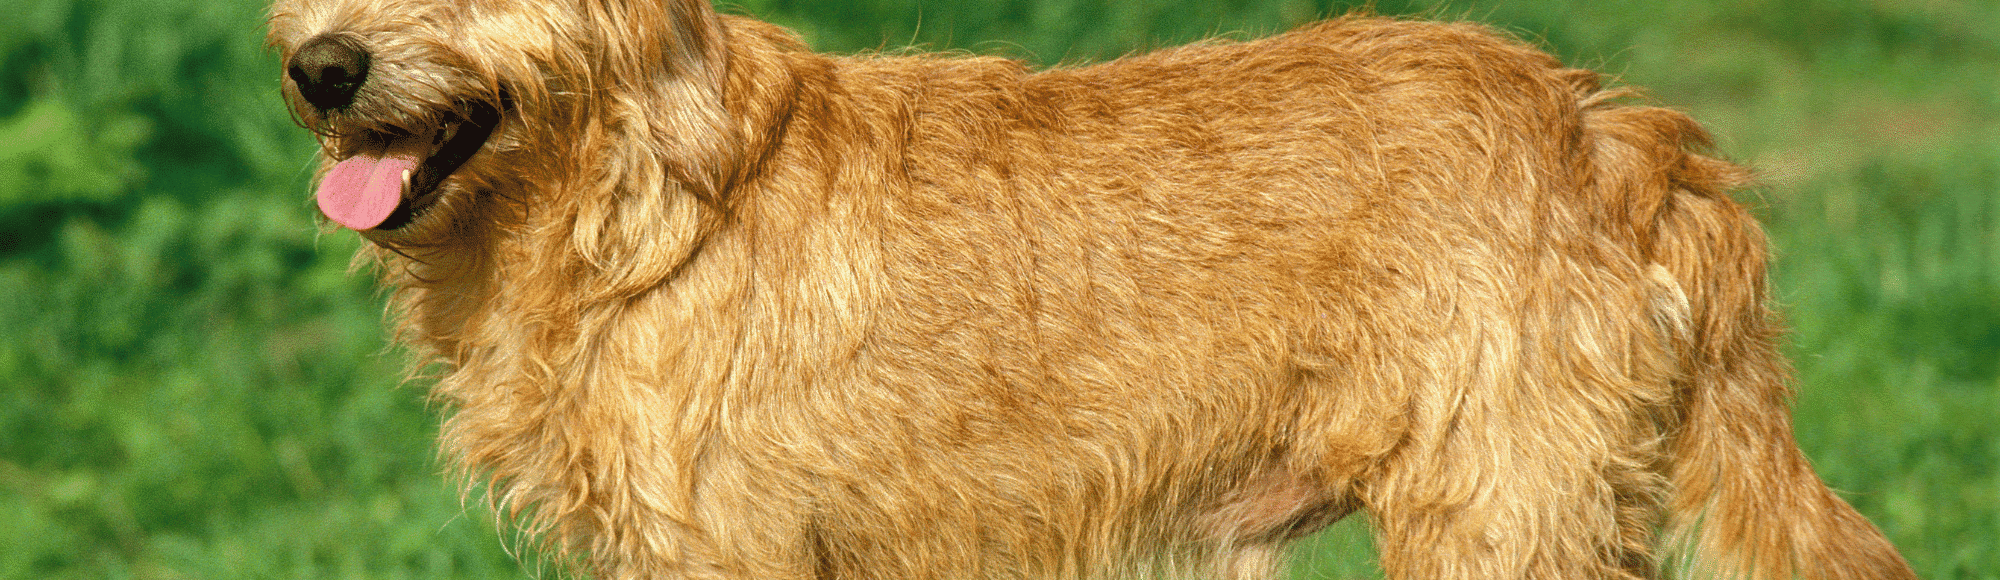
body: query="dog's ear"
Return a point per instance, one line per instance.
(681, 38)
(697, 60)
(660, 70)
(659, 134)
(697, 43)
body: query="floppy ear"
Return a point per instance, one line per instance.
(697, 61)
(661, 68)
(658, 140)
(642, 36)
(697, 39)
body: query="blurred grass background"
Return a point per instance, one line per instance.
(191, 386)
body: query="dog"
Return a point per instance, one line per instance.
(705, 304)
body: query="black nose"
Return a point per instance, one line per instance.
(328, 70)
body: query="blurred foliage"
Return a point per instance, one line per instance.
(193, 385)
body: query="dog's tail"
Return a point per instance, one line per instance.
(1745, 503)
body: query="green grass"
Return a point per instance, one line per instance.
(191, 386)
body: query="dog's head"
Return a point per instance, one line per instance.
(428, 110)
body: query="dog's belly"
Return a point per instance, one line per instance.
(1275, 506)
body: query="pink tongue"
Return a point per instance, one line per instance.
(361, 191)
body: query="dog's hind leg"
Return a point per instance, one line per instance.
(1535, 436)
(1544, 490)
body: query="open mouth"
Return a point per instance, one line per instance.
(392, 178)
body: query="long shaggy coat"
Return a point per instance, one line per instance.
(710, 305)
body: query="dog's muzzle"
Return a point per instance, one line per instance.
(383, 178)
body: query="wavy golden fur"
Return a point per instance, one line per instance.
(709, 305)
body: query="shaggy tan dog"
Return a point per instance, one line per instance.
(709, 305)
